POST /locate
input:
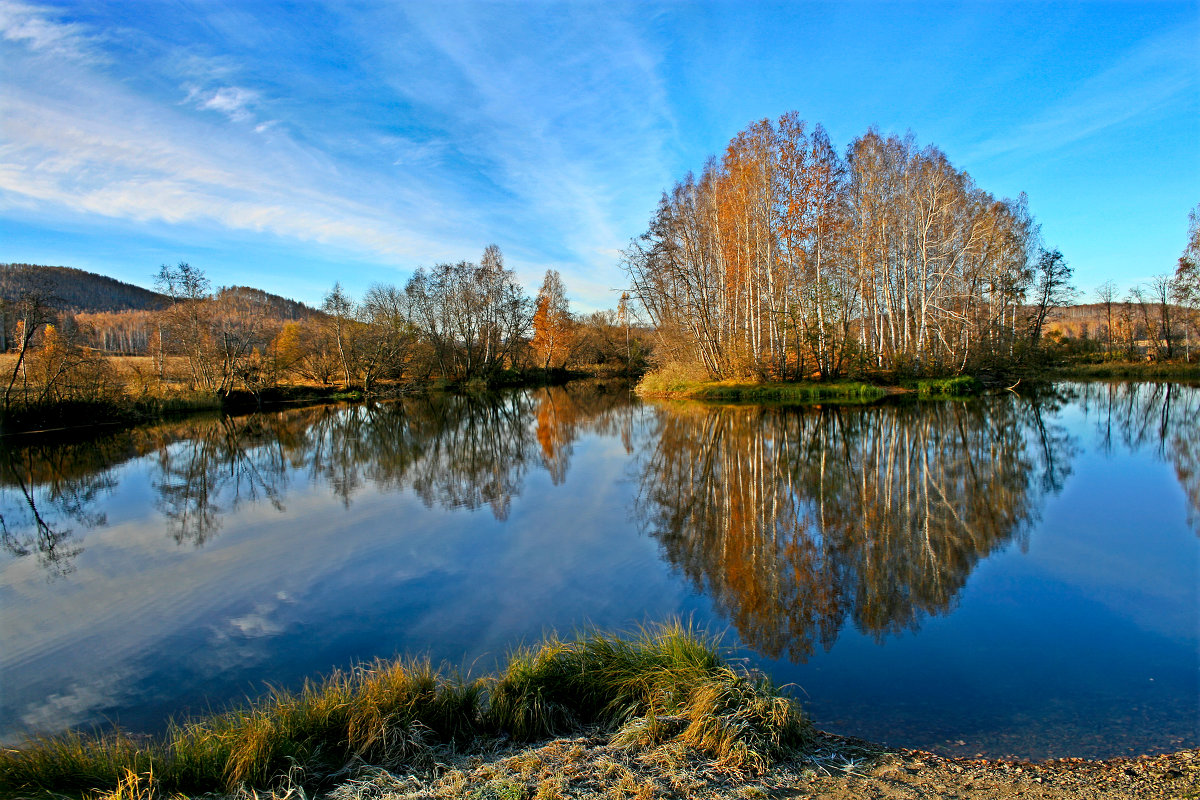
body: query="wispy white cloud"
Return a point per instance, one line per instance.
(551, 163)
(232, 101)
(1149, 78)
(86, 144)
(569, 116)
(34, 27)
(92, 165)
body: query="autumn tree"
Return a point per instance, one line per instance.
(222, 335)
(339, 310)
(184, 328)
(1162, 287)
(242, 328)
(61, 370)
(387, 334)
(1187, 277)
(302, 349)
(553, 334)
(32, 310)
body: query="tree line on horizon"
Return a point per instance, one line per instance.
(786, 259)
(469, 322)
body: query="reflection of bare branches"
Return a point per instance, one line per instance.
(237, 457)
(452, 451)
(796, 520)
(34, 525)
(476, 453)
(1159, 417)
(1054, 446)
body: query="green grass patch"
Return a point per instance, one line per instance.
(660, 385)
(960, 386)
(666, 685)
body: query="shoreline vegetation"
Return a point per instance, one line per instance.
(657, 714)
(117, 409)
(803, 392)
(166, 403)
(665, 686)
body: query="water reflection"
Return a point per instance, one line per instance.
(452, 451)
(53, 498)
(1160, 417)
(795, 521)
(228, 543)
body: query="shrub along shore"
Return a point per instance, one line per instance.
(666, 686)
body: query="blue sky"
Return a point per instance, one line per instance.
(287, 146)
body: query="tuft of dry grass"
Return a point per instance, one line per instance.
(665, 684)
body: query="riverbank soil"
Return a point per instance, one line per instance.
(834, 768)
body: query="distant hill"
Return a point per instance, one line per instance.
(79, 292)
(75, 290)
(276, 307)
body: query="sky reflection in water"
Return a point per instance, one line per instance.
(1003, 576)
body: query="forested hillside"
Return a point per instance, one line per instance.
(67, 289)
(71, 289)
(109, 315)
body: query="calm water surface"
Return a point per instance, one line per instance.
(1005, 576)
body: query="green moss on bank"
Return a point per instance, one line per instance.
(673, 386)
(666, 685)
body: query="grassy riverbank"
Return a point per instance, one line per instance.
(664, 687)
(656, 715)
(669, 385)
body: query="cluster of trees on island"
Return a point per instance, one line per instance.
(786, 259)
(456, 322)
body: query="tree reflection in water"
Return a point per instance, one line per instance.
(451, 451)
(794, 521)
(1161, 417)
(52, 499)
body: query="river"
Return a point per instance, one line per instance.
(1006, 576)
